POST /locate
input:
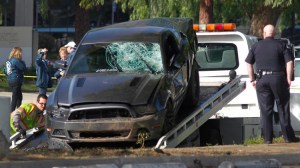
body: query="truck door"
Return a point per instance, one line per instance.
(295, 93)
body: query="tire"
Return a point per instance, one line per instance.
(193, 91)
(170, 119)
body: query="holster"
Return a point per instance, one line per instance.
(258, 74)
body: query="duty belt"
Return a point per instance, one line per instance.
(272, 73)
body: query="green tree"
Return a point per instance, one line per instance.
(141, 9)
(256, 13)
(44, 8)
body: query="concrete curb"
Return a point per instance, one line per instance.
(188, 161)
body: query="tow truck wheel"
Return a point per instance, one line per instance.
(193, 92)
(169, 121)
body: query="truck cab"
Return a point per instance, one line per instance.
(235, 120)
(243, 43)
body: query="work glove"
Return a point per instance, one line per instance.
(19, 129)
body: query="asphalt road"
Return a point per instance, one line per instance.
(27, 97)
(198, 161)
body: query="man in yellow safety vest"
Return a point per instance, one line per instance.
(28, 116)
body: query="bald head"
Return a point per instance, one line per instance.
(269, 31)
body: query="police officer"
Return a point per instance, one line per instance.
(274, 70)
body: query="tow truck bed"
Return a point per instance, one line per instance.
(202, 113)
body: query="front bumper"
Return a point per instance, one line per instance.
(105, 130)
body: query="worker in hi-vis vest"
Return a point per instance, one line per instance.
(28, 116)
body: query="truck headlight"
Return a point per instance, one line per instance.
(60, 113)
(144, 110)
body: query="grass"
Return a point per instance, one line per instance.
(29, 81)
(260, 140)
(27, 87)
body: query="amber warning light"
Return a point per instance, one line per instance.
(215, 27)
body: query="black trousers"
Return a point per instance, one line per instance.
(270, 88)
(17, 97)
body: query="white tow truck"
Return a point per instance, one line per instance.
(240, 118)
(221, 84)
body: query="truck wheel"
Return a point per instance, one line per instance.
(193, 92)
(59, 145)
(169, 121)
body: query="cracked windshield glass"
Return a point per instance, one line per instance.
(118, 57)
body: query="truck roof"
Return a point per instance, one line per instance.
(226, 36)
(146, 29)
(184, 25)
(142, 34)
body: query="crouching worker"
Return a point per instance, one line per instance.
(28, 116)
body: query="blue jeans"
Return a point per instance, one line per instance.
(42, 90)
(17, 97)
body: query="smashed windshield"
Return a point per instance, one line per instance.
(117, 57)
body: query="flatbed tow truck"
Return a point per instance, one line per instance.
(201, 114)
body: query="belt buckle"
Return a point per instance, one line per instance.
(267, 72)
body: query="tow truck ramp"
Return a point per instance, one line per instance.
(201, 114)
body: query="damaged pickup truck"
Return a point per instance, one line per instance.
(125, 79)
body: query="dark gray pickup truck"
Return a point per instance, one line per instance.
(126, 79)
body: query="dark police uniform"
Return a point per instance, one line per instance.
(271, 56)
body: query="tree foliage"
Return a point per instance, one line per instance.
(88, 4)
(255, 13)
(278, 3)
(141, 9)
(44, 8)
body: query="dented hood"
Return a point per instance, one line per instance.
(133, 89)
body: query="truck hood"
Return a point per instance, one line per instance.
(132, 89)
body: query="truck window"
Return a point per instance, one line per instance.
(216, 56)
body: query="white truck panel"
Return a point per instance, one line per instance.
(245, 104)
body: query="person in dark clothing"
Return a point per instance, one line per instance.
(43, 76)
(274, 70)
(14, 70)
